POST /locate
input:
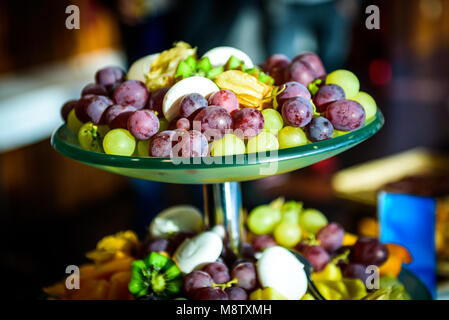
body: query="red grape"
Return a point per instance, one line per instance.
(214, 121)
(195, 280)
(210, 293)
(345, 115)
(218, 271)
(369, 251)
(314, 62)
(331, 236)
(161, 144)
(301, 72)
(262, 242)
(183, 124)
(117, 116)
(245, 272)
(94, 88)
(178, 238)
(92, 108)
(110, 75)
(327, 94)
(155, 245)
(190, 144)
(319, 129)
(224, 98)
(248, 122)
(275, 61)
(292, 89)
(355, 270)
(143, 124)
(301, 246)
(132, 92)
(317, 256)
(66, 108)
(156, 99)
(297, 112)
(236, 293)
(190, 103)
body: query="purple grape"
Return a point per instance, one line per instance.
(92, 108)
(161, 144)
(236, 293)
(226, 99)
(327, 94)
(292, 89)
(301, 72)
(172, 124)
(301, 246)
(355, 270)
(218, 271)
(345, 115)
(117, 116)
(66, 108)
(313, 61)
(369, 251)
(319, 129)
(278, 74)
(275, 61)
(262, 242)
(132, 92)
(195, 280)
(110, 75)
(143, 124)
(214, 121)
(297, 112)
(317, 256)
(245, 272)
(183, 124)
(178, 238)
(94, 88)
(190, 144)
(190, 103)
(248, 122)
(210, 293)
(331, 236)
(156, 99)
(248, 251)
(155, 245)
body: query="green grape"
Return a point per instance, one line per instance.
(263, 219)
(228, 145)
(119, 142)
(89, 138)
(368, 103)
(290, 211)
(73, 122)
(143, 148)
(163, 124)
(272, 121)
(347, 80)
(312, 220)
(290, 137)
(264, 141)
(287, 234)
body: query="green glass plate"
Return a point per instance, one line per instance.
(214, 169)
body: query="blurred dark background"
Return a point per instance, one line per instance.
(54, 209)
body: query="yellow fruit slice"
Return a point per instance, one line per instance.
(330, 272)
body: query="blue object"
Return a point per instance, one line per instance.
(409, 221)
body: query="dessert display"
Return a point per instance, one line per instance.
(175, 104)
(182, 259)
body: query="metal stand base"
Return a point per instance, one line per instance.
(223, 206)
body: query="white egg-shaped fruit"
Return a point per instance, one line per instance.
(197, 251)
(141, 67)
(278, 268)
(220, 55)
(176, 219)
(172, 99)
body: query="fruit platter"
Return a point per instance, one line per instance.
(216, 120)
(290, 253)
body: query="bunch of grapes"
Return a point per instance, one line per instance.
(122, 117)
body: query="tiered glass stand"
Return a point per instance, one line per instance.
(219, 175)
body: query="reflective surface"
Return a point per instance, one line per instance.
(214, 169)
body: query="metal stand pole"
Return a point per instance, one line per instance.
(223, 206)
